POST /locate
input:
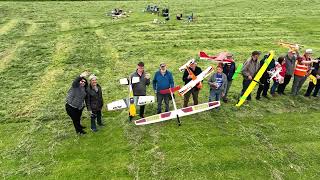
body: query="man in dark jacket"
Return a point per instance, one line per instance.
(228, 69)
(316, 73)
(94, 102)
(140, 88)
(162, 80)
(195, 90)
(264, 80)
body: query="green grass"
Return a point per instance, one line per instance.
(44, 45)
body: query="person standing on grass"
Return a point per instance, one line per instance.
(249, 70)
(218, 83)
(264, 80)
(94, 102)
(316, 73)
(228, 69)
(140, 88)
(281, 64)
(302, 71)
(163, 79)
(195, 90)
(290, 64)
(75, 101)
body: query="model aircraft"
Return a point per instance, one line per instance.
(256, 79)
(220, 58)
(238, 70)
(177, 113)
(291, 46)
(193, 76)
(131, 101)
(195, 81)
(275, 73)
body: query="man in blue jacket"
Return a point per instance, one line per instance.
(163, 79)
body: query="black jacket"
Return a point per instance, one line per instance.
(229, 70)
(196, 72)
(94, 100)
(271, 66)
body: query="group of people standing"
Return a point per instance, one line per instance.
(83, 93)
(291, 65)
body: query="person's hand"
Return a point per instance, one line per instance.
(189, 77)
(155, 91)
(222, 94)
(318, 76)
(85, 74)
(250, 77)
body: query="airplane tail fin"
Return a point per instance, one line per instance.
(203, 55)
(132, 110)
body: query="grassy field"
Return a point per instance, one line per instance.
(44, 45)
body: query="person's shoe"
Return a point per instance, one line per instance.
(258, 98)
(82, 127)
(130, 118)
(142, 115)
(82, 132)
(266, 96)
(273, 95)
(225, 100)
(283, 93)
(101, 124)
(94, 130)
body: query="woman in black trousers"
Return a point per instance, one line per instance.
(75, 101)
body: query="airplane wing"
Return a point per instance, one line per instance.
(123, 103)
(255, 80)
(220, 58)
(180, 112)
(183, 67)
(193, 83)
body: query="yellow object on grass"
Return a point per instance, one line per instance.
(256, 79)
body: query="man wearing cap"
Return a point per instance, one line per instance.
(163, 79)
(140, 88)
(302, 71)
(290, 59)
(228, 69)
(264, 80)
(195, 90)
(94, 102)
(249, 70)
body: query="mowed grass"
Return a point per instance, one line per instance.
(44, 45)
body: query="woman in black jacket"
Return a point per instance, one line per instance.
(94, 102)
(75, 101)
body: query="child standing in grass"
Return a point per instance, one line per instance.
(218, 84)
(279, 79)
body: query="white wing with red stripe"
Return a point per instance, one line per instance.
(123, 103)
(193, 83)
(180, 112)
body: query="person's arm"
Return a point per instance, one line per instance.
(171, 81)
(88, 100)
(76, 82)
(185, 76)
(154, 82)
(211, 80)
(224, 84)
(244, 70)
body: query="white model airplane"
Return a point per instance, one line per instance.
(131, 101)
(275, 73)
(177, 113)
(195, 81)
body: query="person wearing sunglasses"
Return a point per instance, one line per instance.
(75, 101)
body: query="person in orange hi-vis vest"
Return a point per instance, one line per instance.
(302, 70)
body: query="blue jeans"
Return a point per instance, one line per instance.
(274, 87)
(215, 94)
(95, 115)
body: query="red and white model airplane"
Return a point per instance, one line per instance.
(177, 113)
(220, 58)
